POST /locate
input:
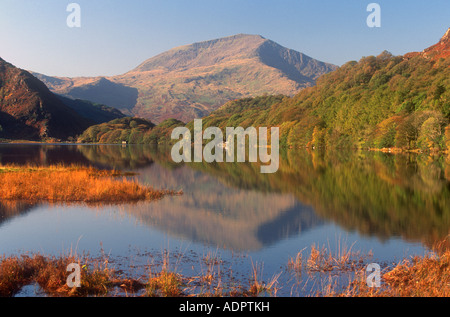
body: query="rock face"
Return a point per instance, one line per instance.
(190, 81)
(29, 110)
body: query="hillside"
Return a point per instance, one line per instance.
(379, 102)
(28, 110)
(96, 113)
(437, 51)
(382, 101)
(190, 81)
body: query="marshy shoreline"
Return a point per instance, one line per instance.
(423, 276)
(418, 276)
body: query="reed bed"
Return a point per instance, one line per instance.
(98, 279)
(420, 276)
(50, 273)
(73, 184)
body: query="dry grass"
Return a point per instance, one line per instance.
(72, 184)
(164, 284)
(419, 276)
(321, 260)
(427, 276)
(51, 275)
(258, 287)
(97, 279)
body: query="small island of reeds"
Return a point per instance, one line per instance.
(73, 184)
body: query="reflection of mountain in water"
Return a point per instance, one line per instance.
(234, 204)
(213, 213)
(290, 223)
(374, 193)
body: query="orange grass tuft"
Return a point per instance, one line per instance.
(72, 184)
(51, 273)
(426, 276)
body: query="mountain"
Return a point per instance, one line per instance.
(28, 110)
(382, 101)
(190, 81)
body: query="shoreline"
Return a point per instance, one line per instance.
(392, 150)
(425, 275)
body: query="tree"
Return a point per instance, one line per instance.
(447, 137)
(430, 134)
(318, 137)
(438, 91)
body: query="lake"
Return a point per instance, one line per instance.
(388, 206)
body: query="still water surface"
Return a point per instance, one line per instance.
(390, 206)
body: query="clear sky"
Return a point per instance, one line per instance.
(117, 35)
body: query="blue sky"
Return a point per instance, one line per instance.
(117, 35)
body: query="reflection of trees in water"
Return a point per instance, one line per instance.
(375, 193)
(105, 156)
(116, 156)
(42, 155)
(11, 209)
(125, 157)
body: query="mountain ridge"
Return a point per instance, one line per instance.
(190, 81)
(379, 102)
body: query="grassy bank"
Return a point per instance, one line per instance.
(72, 184)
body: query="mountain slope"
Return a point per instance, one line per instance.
(190, 81)
(28, 110)
(379, 102)
(96, 113)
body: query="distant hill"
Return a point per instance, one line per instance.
(190, 81)
(28, 110)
